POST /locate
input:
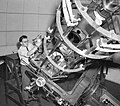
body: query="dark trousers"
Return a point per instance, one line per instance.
(25, 81)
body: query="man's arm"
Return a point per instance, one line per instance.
(32, 51)
(22, 53)
(34, 48)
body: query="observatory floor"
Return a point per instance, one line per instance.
(112, 87)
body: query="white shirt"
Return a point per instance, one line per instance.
(22, 52)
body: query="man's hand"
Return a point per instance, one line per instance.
(38, 43)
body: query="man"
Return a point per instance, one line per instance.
(25, 51)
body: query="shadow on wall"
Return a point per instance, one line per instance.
(18, 45)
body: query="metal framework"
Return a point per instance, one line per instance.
(77, 51)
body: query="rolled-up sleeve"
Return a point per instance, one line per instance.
(22, 52)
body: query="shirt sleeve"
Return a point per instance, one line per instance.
(23, 53)
(30, 46)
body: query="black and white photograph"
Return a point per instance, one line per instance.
(59, 52)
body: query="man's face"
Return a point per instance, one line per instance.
(24, 42)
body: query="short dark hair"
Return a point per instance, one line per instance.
(22, 37)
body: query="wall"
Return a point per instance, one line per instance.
(18, 17)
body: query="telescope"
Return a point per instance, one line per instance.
(73, 64)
